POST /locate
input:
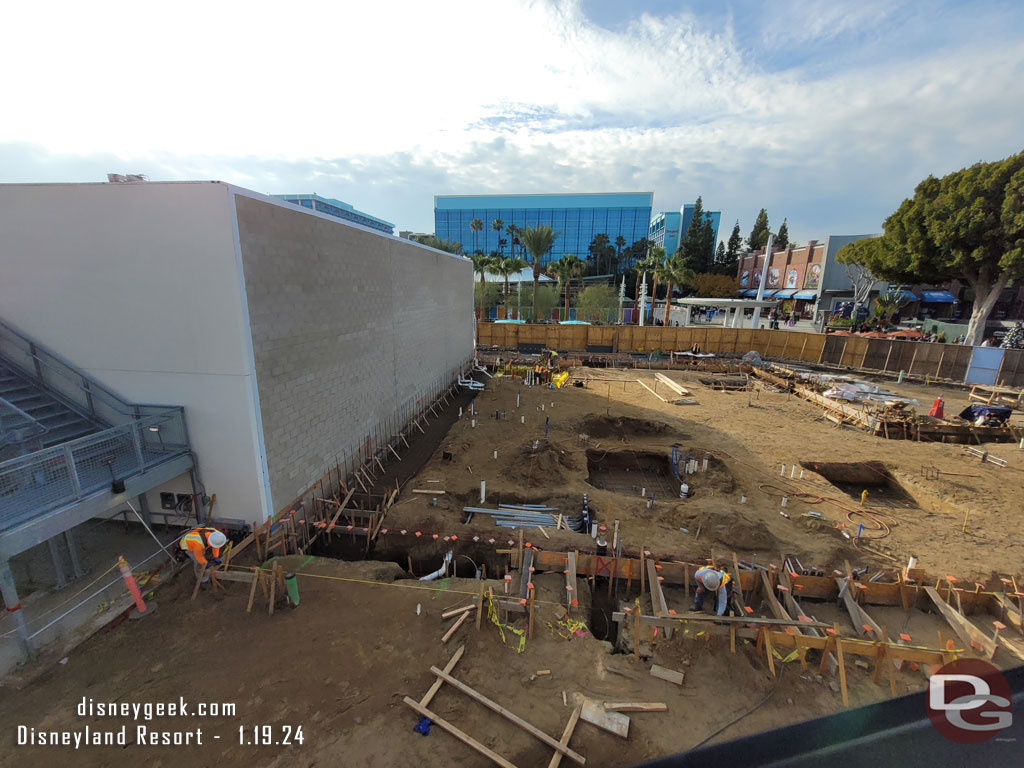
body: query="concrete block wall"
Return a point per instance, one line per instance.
(351, 331)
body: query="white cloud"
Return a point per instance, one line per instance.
(387, 103)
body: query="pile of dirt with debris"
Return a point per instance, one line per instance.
(543, 465)
(738, 530)
(620, 426)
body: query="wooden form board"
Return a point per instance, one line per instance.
(571, 587)
(593, 712)
(963, 627)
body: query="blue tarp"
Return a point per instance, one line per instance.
(938, 297)
(992, 413)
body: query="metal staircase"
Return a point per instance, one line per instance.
(31, 418)
(69, 447)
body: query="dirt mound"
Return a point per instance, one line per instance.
(617, 426)
(737, 530)
(547, 464)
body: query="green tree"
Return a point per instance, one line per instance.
(715, 286)
(547, 300)
(565, 269)
(476, 225)
(759, 234)
(887, 303)
(497, 225)
(513, 238)
(487, 296)
(481, 265)
(691, 244)
(720, 254)
(638, 250)
(538, 241)
(508, 267)
(966, 226)
(676, 273)
(600, 248)
(600, 301)
(451, 246)
(620, 243)
(782, 238)
(658, 254)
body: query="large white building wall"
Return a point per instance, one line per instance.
(139, 285)
(351, 330)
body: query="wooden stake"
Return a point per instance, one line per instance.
(459, 734)
(273, 594)
(256, 575)
(455, 627)
(636, 629)
(508, 715)
(479, 606)
(574, 718)
(842, 666)
(199, 580)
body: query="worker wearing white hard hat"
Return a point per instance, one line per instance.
(711, 580)
(200, 542)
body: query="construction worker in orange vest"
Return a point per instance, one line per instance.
(199, 542)
(712, 580)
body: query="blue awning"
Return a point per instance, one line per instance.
(785, 293)
(805, 295)
(938, 297)
(768, 294)
(750, 293)
(908, 296)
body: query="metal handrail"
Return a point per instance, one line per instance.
(21, 421)
(40, 482)
(43, 357)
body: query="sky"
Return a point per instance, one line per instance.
(825, 112)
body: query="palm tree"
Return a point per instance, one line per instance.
(654, 255)
(481, 264)
(475, 226)
(598, 246)
(513, 233)
(620, 243)
(676, 273)
(508, 267)
(565, 269)
(658, 254)
(451, 246)
(538, 241)
(497, 225)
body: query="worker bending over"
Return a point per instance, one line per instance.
(200, 543)
(714, 581)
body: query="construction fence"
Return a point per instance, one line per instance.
(920, 359)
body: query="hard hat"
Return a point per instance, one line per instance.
(217, 540)
(711, 580)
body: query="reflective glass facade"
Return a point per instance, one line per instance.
(340, 210)
(669, 227)
(577, 218)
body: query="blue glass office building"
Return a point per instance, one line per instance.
(576, 217)
(340, 210)
(669, 227)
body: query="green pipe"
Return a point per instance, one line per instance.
(292, 584)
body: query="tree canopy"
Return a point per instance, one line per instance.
(782, 238)
(538, 241)
(759, 234)
(966, 226)
(697, 246)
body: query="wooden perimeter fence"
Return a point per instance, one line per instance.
(936, 361)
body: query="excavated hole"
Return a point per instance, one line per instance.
(853, 478)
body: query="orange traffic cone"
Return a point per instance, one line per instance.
(937, 409)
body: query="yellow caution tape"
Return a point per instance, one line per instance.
(492, 614)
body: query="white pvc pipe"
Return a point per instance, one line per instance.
(483, 491)
(440, 571)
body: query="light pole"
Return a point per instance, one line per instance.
(764, 276)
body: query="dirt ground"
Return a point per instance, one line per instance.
(748, 445)
(340, 664)
(365, 635)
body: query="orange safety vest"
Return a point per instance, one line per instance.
(197, 541)
(726, 578)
